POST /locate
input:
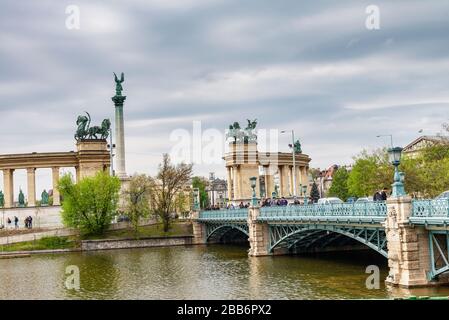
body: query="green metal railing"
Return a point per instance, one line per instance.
(430, 211)
(370, 211)
(224, 215)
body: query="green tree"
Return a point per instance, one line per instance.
(201, 184)
(339, 187)
(169, 182)
(91, 204)
(371, 172)
(137, 199)
(314, 192)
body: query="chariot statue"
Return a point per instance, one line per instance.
(84, 131)
(242, 135)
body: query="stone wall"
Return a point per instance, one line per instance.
(133, 243)
(43, 217)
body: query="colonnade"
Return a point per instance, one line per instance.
(8, 186)
(236, 179)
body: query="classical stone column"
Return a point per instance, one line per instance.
(120, 137)
(267, 183)
(31, 185)
(258, 234)
(235, 181)
(285, 177)
(408, 246)
(290, 170)
(229, 182)
(8, 187)
(78, 174)
(56, 196)
(281, 181)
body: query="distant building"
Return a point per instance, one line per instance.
(417, 145)
(324, 179)
(217, 191)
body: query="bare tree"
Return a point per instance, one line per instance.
(137, 199)
(169, 182)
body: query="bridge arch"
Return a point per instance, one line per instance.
(219, 230)
(374, 238)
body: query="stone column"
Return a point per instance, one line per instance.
(199, 229)
(78, 174)
(408, 246)
(31, 185)
(235, 182)
(267, 183)
(229, 182)
(281, 181)
(258, 234)
(8, 187)
(120, 137)
(56, 197)
(285, 178)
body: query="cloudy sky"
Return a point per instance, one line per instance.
(311, 66)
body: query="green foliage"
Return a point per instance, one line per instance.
(91, 204)
(339, 187)
(314, 192)
(370, 172)
(201, 183)
(426, 173)
(137, 199)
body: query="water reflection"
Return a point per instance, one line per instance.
(198, 272)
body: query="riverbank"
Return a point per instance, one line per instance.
(153, 235)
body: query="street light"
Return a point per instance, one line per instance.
(294, 161)
(253, 181)
(111, 151)
(387, 135)
(304, 189)
(196, 194)
(394, 155)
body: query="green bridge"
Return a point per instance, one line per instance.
(411, 234)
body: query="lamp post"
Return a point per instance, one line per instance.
(294, 162)
(111, 151)
(196, 193)
(253, 181)
(394, 155)
(387, 135)
(304, 189)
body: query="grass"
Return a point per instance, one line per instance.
(46, 243)
(155, 230)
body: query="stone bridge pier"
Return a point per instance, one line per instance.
(409, 256)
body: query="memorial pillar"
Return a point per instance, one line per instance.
(31, 185)
(56, 197)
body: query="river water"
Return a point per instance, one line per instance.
(197, 272)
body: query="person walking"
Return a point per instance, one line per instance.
(383, 194)
(16, 222)
(9, 223)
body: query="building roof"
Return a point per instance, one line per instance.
(425, 141)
